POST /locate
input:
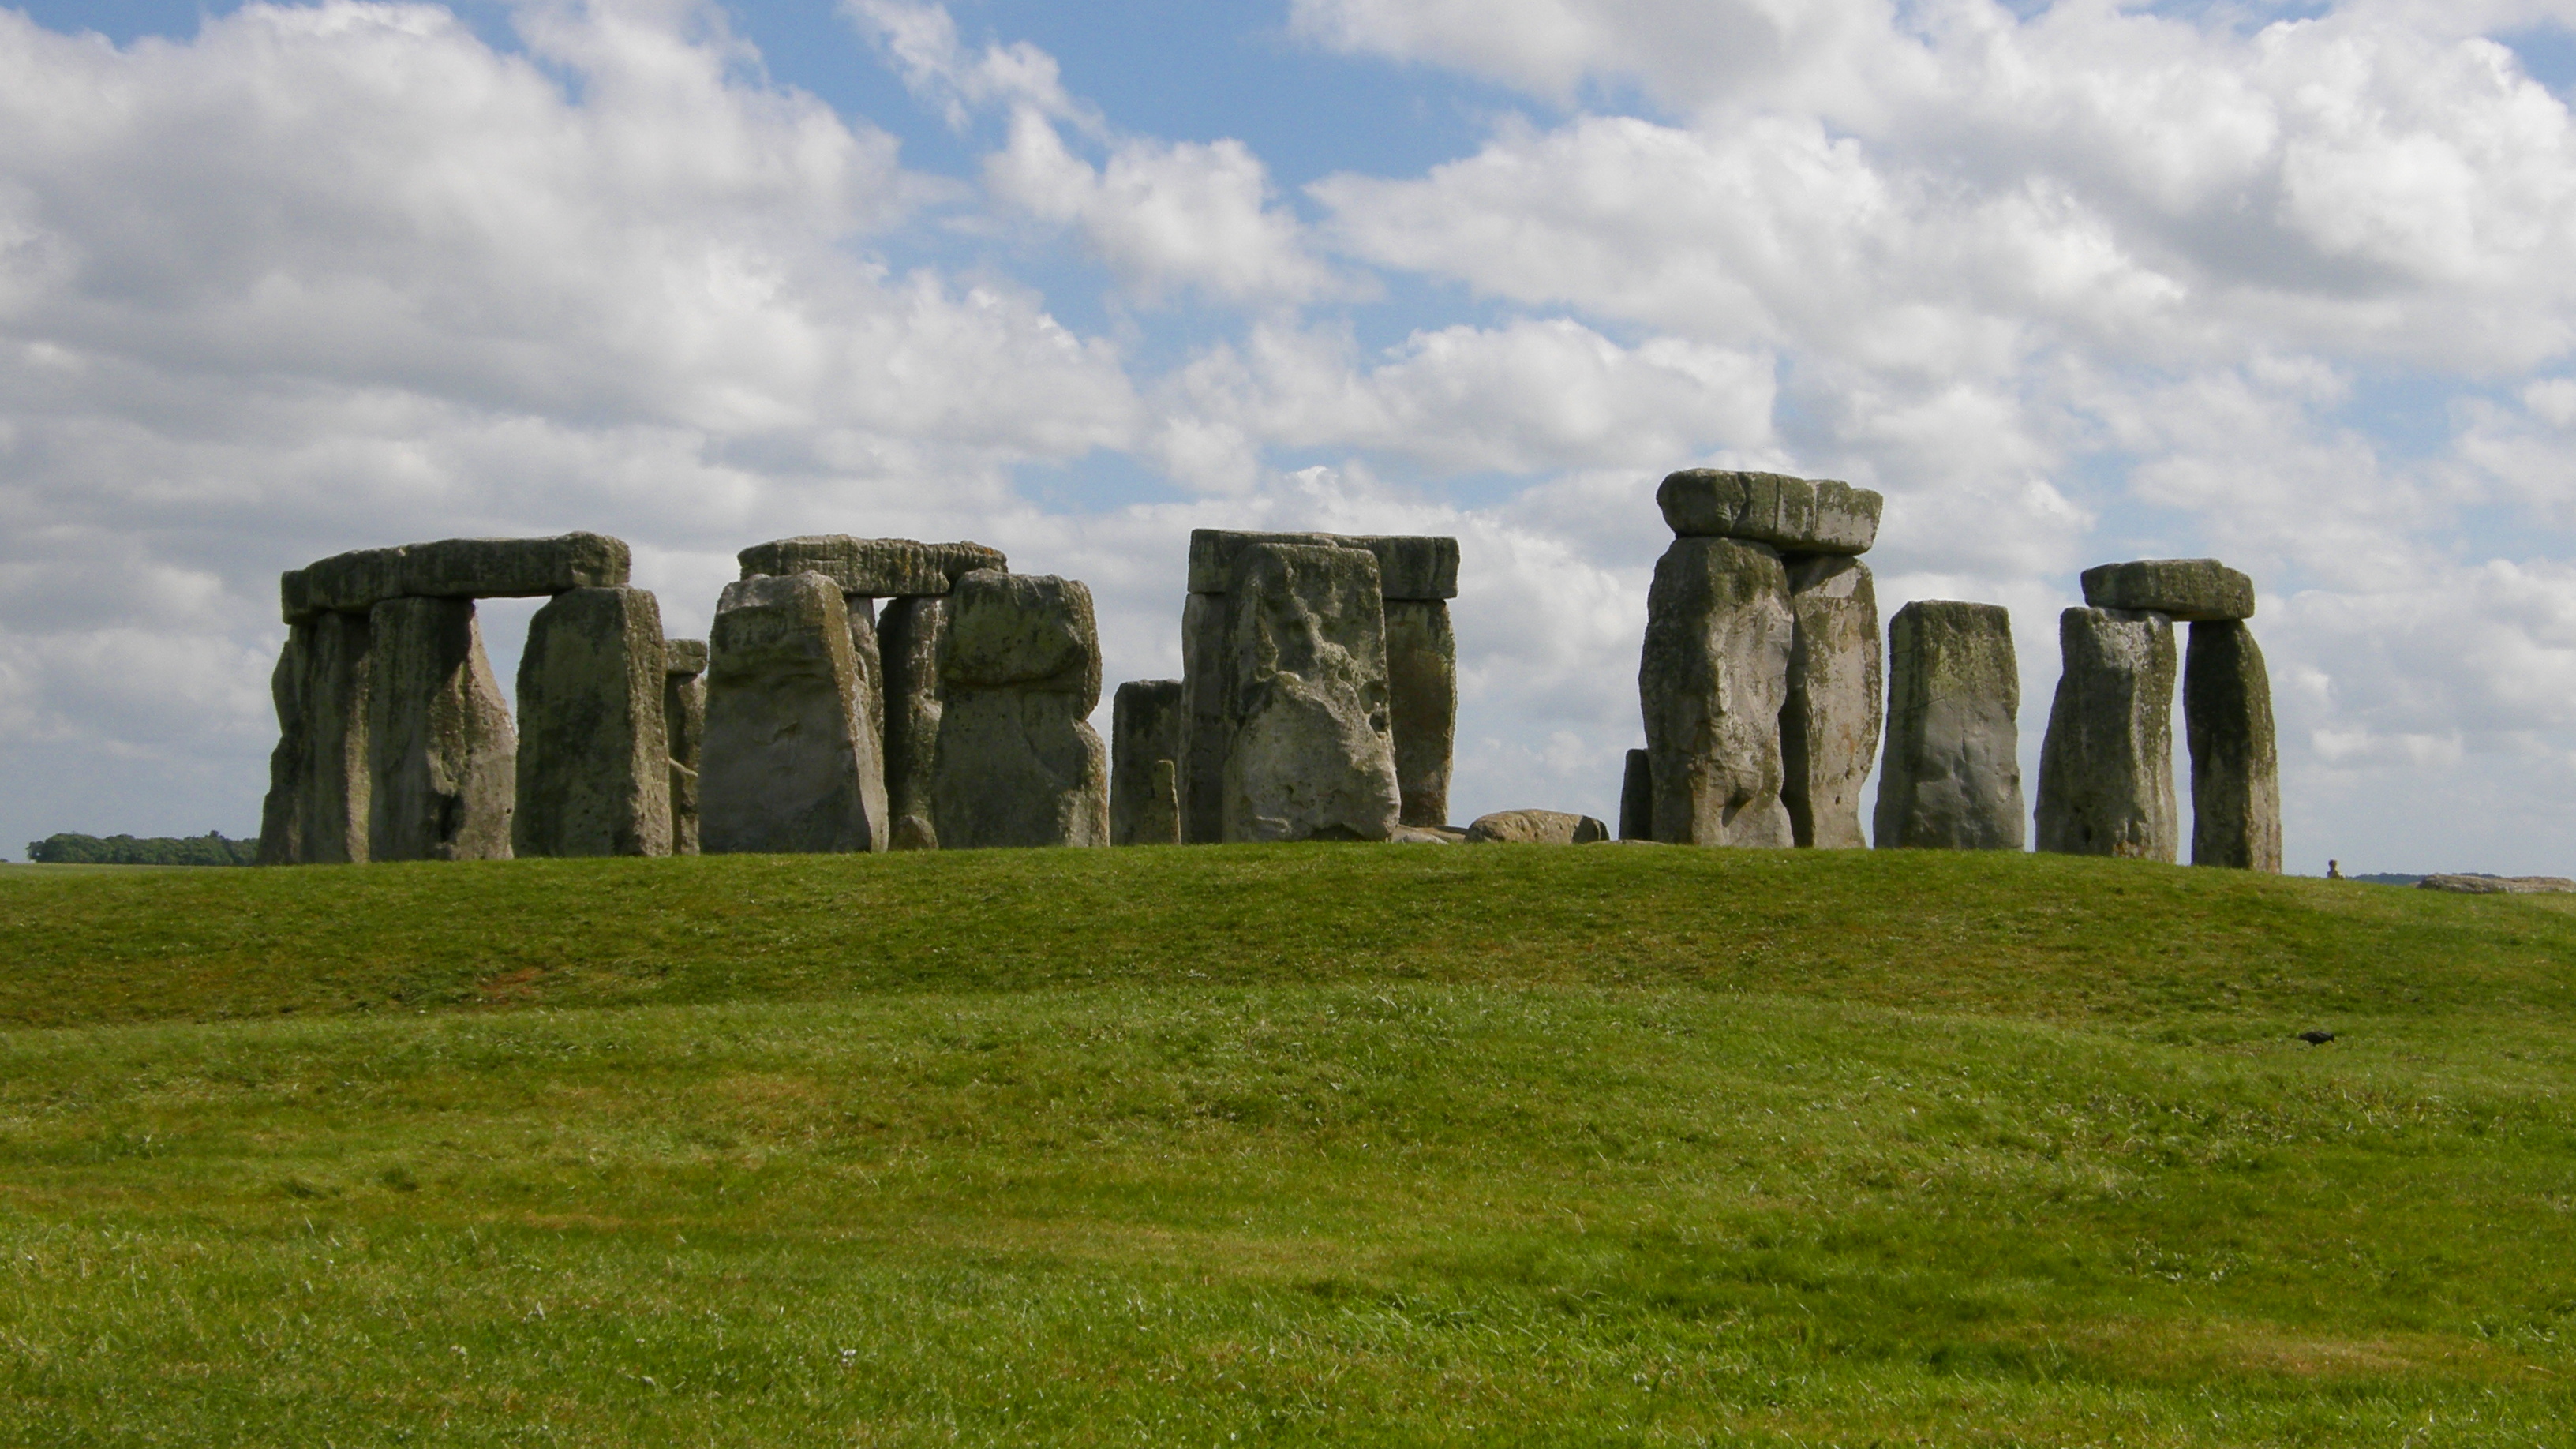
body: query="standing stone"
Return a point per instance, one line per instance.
(1422, 704)
(1829, 726)
(1018, 762)
(594, 766)
(1207, 727)
(320, 773)
(908, 638)
(868, 683)
(684, 725)
(2235, 766)
(2106, 767)
(1311, 752)
(1951, 777)
(444, 756)
(281, 824)
(1712, 680)
(788, 764)
(1144, 735)
(1637, 798)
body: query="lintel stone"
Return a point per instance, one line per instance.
(878, 568)
(1794, 515)
(455, 568)
(1409, 566)
(2185, 590)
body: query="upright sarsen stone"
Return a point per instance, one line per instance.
(1207, 718)
(2106, 767)
(317, 811)
(1829, 724)
(1018, 762)
(1712, 681)
(2235, 765)
(594, 765)
(1951, 777)
(1310, 749)
(1637, 797)
(908, 636)
(444, 758)
(789, 764)
(684, 725)
(1422, 704)
(1144, 734)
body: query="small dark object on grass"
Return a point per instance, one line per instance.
(2316, 1038)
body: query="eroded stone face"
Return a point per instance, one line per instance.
(789, 764)
(2106, 767)
(443, 752)
(1310, 750)
(2185, 590)
(908, 636)
(1535, 827)
(1409, 566)
(1017, 763)
(1712, 681)
(1794, 515)
(1145, 735)
(1951, 776)
(1207, 725)
(594, 764)
(2235, 763)
(320, 775)
(455, 568)
(684, 725)
(877, 568)
(1829, 724)
(1422, 705)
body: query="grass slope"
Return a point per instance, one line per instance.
(1300, 1144)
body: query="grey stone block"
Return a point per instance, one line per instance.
(1409, 566)
(1422, 704)
(1637, 798)
(1145, 737)
(1535, 827)
(1951, 775)
(684, 728)
(908, 635)
(1829, 726)
(2187, 590)
(594, 765)
(1022, 631)
(788, 765)
(320, 775)
(1207, 722)
(1712, 679)
(1018, 763)
(2106, 766)
(684, 656)
(1794, 515)
(880, 568)
(455, 568)
(2235, 761)
(444, 756)
(1310, 752)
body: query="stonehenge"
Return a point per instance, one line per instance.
(1017, 761)
(1759, 675)
(1319, 685)
(443, 755)
(2106, 768)
(594, 768)
(1144, 763)
(790, 759)
(1951, 775)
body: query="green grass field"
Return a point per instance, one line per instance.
(1343, 1144)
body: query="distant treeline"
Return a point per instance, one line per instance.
(207, 849)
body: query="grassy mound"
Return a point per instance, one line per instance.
(1305, 1144)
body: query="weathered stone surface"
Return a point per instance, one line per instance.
(880, 568)
(868, 688)
(1145, 736)
(1207, 724)
(908, 636)
(1018, 763)
(2106, 766)
(1535, 827)
(1409, 566)
(2235, 761)
(1415, 835)
(319, 775)
(2186, 590)
(684, 728)
(1422, 704)
(1637, 798)
(1712, 680)
(2498, 885)
(1829, 726)
(443, 754)
(1951, 775)
(1794, 515)
(1311, 754)
(594, 765)
(788, 764)
(455, 568)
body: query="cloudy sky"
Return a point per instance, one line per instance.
(2289, 284)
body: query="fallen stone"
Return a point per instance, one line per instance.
(1412, 835)
(2186, 590)
(1712, 679)
(2106, 766)
(1422, 705)
(1535, 827)
(2235, 762)
(1637, 798)
(1018, 762)
(1951, 775)
(1829, 725)
(908, 636)
(1794, 515)
(684, 727)
(1145, 736)
(878, 568)
(455, 568)
(789, 765)
(443, 754)
(1310, 753)
(1418, 567)
(594, 765)
(320, 774)
(2498, 885)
